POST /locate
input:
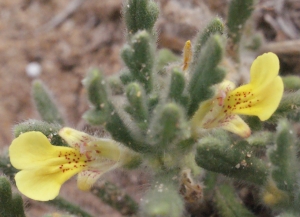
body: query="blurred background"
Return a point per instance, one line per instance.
(59, 41)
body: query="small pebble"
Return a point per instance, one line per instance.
(33, 69)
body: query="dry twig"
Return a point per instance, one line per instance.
(62, 16)
(283, 47)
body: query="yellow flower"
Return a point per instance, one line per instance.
(260, 97)
(44, 167)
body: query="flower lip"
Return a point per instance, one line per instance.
(262, 95)
(44, 167)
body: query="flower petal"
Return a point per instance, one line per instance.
(87, 178)
(42, 184)
(264, 69)
(45, 167)
(238, 126)
(105, 158)
(262, 95)
(32, 149)
(75, 138)
(105, 148)
(261, 102)
(207, 111)
(211, 112)
(270, 99)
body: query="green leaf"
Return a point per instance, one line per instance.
(137, 106)
(291, 82)
(49, 130)
(96, 87)
(65, 205)
(140, 15)
(206, 73)
(234, 160)
(228, 204)
(288, 107)
(138, 56)
(239, 12)
(163, 200)
(45, 104)
(11, 205)
(168, 126)
(116, 198)
(284, 159)
(216, 26)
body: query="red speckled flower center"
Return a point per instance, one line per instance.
(73, 160)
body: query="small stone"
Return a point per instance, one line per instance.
(244, 163)
(33, 69)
